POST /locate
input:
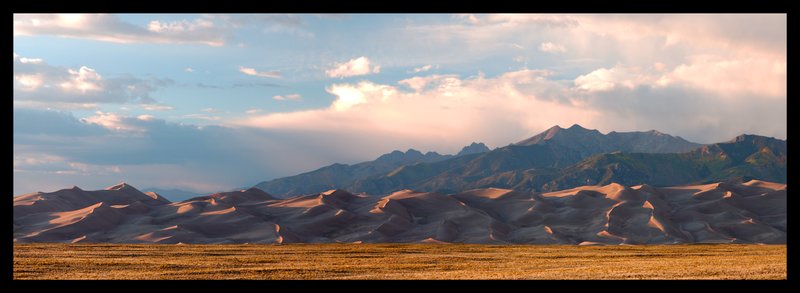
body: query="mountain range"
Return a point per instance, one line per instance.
(341, 175)
(558, 158)
(723, 212)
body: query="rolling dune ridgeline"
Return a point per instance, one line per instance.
(733, 211)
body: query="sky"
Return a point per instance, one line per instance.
(206, 103)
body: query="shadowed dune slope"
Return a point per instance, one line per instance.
(612, 214)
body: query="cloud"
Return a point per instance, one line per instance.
(109, 28)
(145, 117)
(40, 82)
(157, 107)
(289, 97)
(253, 111)
(113, 121)
(211, 110)
(442, 113)
(30, 60)
(468, 18)
(353, 67)
(188, 69)
(424, 68)
(235, 85)
(202, 117)
(757, 77)
(549, 47)
(251, 71)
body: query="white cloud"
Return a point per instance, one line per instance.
(424, 68)
(210, 110)
(441, 114)
(38, 82)
(419, 83)
(113, 122)
(353, 67)
(252, 71)
(756, 77)
(29, 81)
(468, 18)
(54, 105)
(145, 117)
(29, 60)
(737, 76)
(157, 107)
(253, 111)
(287, 97)
(83, 80)
(188, 69)
(552, 48)
(109, 28)
(606, 79)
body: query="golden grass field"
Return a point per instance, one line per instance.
(397, 261)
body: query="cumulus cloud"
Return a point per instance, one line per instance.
(552, 48)
(442, 112)
(759, 78)
(289, 97)
(252, 71)
(43, 83)
(353, 67)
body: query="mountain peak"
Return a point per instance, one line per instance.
(413, 152)
(554, 131)
(473, 148)
(577, 127)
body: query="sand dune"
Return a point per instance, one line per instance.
(613, 214)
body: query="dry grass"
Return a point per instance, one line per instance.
(397, 261)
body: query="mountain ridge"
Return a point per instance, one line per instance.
(556, 147)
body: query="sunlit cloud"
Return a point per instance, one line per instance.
(252, 71)
(289, 97)
(157, 107)
(552, 48)
(424, 68)
(253, 111)
(353, 67)
(109, 28)
(39, 82)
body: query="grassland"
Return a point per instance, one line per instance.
(397, 261)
